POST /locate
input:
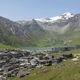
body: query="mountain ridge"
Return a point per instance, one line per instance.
(40, 31)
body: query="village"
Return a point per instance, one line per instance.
(19, 63)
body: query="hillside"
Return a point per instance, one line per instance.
(58, 30)
(14, 34)
(66, 70)
(61, 30)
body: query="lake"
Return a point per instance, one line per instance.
(49, 48)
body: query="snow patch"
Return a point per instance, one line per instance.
(64, 16)
(68, 15)
(56, 18)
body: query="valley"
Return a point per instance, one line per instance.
(40, 49)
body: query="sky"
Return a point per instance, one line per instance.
(28, 9)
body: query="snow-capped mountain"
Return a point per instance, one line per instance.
(29, 31)
(64, 16)
(56, 24)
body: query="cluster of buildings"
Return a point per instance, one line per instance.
(20, 62)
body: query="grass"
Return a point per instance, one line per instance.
(2, 46)
(45, 43)
(76, 51)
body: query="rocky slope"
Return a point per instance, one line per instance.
(15, 34)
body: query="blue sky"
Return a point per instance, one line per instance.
(23, 9)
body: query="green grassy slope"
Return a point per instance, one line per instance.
(2, 46)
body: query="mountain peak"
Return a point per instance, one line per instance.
(67, 15)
